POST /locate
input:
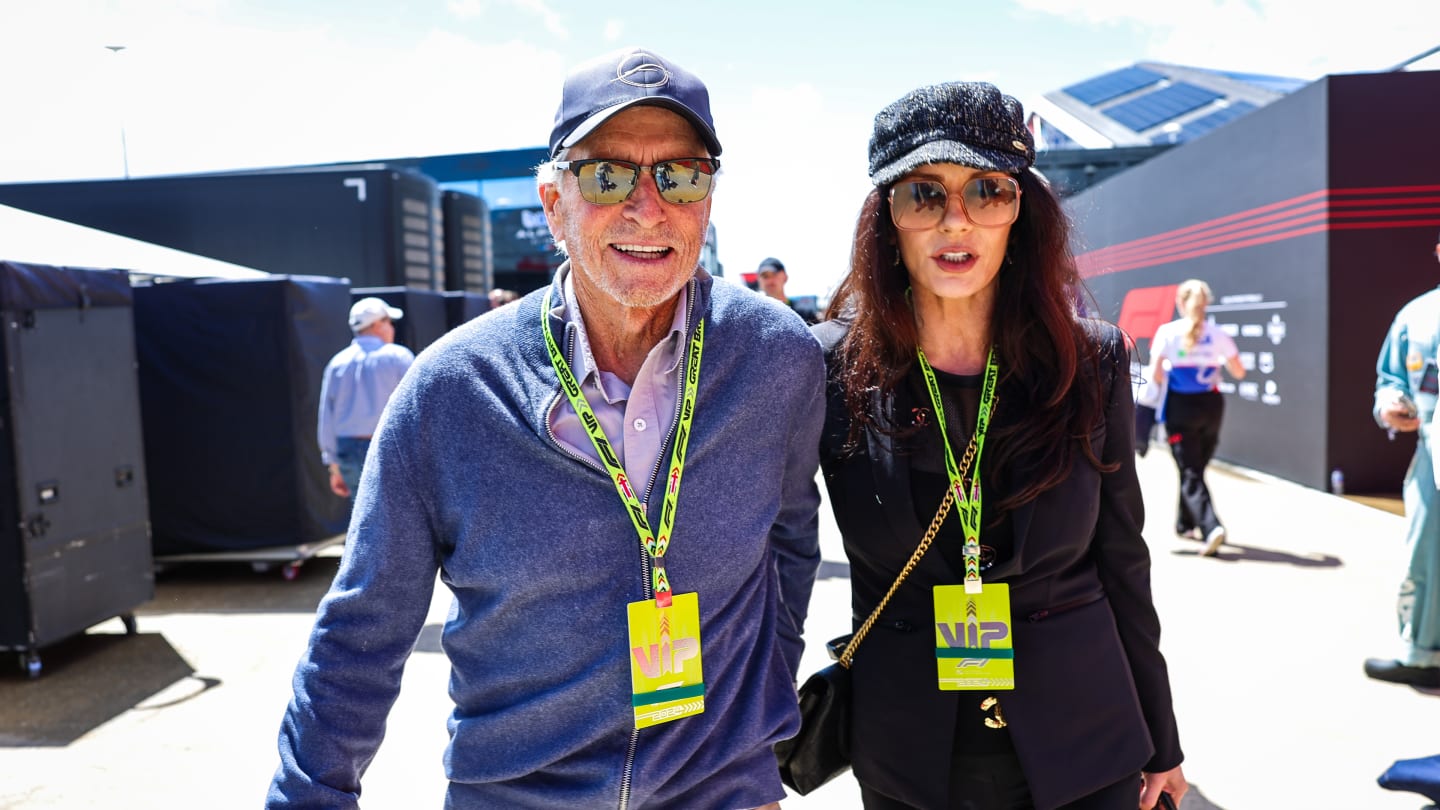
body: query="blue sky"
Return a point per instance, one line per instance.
(207, 85)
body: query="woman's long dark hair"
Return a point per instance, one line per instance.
(1050, 396)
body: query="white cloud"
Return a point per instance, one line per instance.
(196, 95)
(554, 22)
(791, 183)
(467, 9)
(1298, 38)
(197, 90)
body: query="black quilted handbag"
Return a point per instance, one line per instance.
(821, 751)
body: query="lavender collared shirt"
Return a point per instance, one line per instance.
(637, 417)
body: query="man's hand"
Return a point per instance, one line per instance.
(337, 482)
(1399, 417)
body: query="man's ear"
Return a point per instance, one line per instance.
(550, 203)
(549, 196)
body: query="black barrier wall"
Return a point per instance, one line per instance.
(1311, 221)
(230, 377)
(463, 306)
(376, 227)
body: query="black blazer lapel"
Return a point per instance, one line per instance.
(891, 472)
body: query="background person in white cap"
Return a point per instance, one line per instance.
(358, 382)
(618, 637)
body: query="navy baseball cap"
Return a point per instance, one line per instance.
(604, 86)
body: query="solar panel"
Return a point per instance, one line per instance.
(1057, 139)
(1114, 84)
(1275, 84)
(1200, 126)
(1146, 111)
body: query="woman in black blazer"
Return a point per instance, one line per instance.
(955, 346)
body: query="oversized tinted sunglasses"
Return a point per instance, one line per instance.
(607, 182)
(988, 202)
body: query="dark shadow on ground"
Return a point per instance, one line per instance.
(429, 640)
(236, 587)
(1195, 800)
(1234, 554)
(86, 681)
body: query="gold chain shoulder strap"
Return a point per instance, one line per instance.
(849, 653)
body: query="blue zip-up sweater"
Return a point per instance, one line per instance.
(465, 478)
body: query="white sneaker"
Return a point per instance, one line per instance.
(1213, 541)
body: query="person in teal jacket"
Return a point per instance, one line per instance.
(1405, 401)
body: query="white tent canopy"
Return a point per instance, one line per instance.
(36, 239)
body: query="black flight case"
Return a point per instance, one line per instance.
(74, 526)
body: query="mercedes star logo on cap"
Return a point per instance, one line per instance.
(636, 63)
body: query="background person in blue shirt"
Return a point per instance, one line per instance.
(358, 382)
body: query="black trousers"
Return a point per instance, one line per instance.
(995, 782)
(1192, 422)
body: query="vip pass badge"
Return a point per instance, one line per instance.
(973, 648)
(664, 632)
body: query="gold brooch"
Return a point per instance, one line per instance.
(998, 721)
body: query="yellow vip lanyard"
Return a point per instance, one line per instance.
(654, 544)
(969, 506)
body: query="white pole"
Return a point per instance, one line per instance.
(124, 148)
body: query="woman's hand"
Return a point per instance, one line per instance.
(1171, 781)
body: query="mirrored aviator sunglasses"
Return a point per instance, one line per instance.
(606, 182)
(989, 202)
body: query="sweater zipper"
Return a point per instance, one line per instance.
(629, 771)
(587, 461)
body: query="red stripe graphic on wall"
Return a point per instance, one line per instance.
(1337, 209)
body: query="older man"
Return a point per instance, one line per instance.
(609, 481)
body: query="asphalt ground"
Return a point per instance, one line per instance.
(1265, 644)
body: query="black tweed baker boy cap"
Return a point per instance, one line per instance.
(969, 123)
